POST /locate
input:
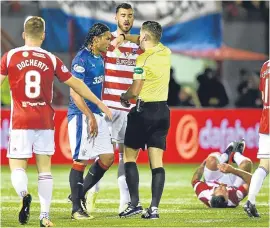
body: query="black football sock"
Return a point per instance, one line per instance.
(132, 179)
(94, 174)
(158, 180)
(76, 185)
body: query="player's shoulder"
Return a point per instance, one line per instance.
(265, 70)
(162, 49)
(82, 55)
(142, 58)
(14, 51)
(81, 61)
(30, 52)
(267, 63)
(200, 183)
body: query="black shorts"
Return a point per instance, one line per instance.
(149, 127)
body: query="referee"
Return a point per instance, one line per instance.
(149, 121)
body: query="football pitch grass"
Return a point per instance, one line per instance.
(179, 206)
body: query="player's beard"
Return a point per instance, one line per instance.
(123, 29)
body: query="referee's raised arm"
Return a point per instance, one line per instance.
(149, 121)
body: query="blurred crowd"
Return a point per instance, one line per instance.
(207, 91)
(210, 91)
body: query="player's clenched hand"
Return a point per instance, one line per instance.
(117, 41)
(124, 102)
(225, 168)
(93, 127)
(105, 109)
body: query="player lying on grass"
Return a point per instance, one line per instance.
(223, 185)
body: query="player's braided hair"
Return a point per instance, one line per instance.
(96, 30)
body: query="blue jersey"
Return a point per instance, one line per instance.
(90, 69)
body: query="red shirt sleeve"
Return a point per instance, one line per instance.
(4, 69)
(264, 71)
(199, 186)
(243, 190)
(62, 72)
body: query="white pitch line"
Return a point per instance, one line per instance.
(7, 199)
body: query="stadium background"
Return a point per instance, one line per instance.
(223, 36)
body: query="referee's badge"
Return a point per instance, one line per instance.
(138, 73)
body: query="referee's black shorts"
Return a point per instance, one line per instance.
(149, 127)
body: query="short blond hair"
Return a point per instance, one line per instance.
(34, 26)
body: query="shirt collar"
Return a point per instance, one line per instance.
(95, 56)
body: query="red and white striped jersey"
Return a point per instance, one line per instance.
(204, 193)
(31, 72)
(119, 68)
(265, 88)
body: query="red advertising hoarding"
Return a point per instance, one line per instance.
(194, 133)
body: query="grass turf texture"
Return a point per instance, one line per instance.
(179, 206)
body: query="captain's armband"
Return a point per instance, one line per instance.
(138, 73)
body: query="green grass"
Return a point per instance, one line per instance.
(179, 206)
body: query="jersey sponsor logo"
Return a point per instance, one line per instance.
(126, 62)
(78, 69)
(40, 55)
(25, 54)
(64, 68)
(32, 104)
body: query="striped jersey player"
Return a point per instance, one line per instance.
(204, 192)
(119, 66)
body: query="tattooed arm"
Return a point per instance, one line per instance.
(198, 173)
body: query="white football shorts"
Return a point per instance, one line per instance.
(22, 143)
(217, 176)
(118, 125)
(84, 147)
(264, 147)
